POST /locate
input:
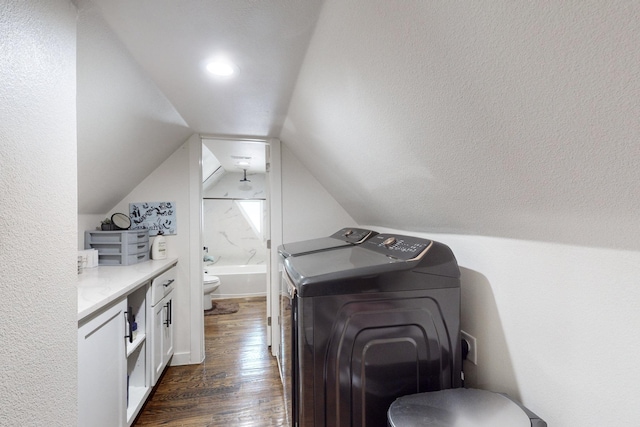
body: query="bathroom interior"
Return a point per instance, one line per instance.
(234, 219)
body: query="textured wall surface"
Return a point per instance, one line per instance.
(500, 119)
(38, 354)
(514, 127)
(308, 210)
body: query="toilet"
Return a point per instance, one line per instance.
(460, 407)
(210, 283)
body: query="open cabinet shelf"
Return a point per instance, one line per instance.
(139, 339)
(138, 357)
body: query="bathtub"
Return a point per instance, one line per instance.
(237, 281)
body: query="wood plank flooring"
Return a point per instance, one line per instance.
(237, 385)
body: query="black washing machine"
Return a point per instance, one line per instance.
(345, 237)
(371, 323)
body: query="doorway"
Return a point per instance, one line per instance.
(241, 189)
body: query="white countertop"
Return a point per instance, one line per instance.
(99, 286)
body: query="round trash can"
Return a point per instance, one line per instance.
(460, 408)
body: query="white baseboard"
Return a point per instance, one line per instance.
(231, 296)
(180, 359)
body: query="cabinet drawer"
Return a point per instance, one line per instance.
(162, 285)
(137, 248)
(138, 236)
(122, 259)
(119, 249)
(123, 236)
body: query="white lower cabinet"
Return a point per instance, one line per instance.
(102, 369)
(162, 323)
(114, 362)
(162, 331)
(167, 332)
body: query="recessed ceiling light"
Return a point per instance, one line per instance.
(221, 68)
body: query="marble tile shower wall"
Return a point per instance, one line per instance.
(229, 236)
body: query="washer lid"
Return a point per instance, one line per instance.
(310, 246)
(321, 272)
(341, 238)
(457, 408)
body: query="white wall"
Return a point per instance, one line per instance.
(513, 128)
(89, 222)
(38, 257)
(126, 125)
(498, 118)
(308, 210)
(555, 326)
(171, 182)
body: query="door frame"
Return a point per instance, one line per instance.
(274, 237)
(274, 197)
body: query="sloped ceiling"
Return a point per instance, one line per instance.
(142, 89)
(509, 120)
(126, 126)
(516, 120)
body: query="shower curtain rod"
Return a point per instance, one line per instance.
(232, 198)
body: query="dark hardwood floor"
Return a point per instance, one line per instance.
(237, 385)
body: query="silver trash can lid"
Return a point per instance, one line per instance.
(458, 408)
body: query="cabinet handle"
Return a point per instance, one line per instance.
(168, 321)
(127, 318)
(168, 282)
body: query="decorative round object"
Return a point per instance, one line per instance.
(121, 221)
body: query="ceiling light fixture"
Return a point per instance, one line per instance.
(221, 68)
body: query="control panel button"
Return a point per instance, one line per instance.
(398, 247)
(390, 241)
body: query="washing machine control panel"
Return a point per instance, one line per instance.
(353, 235)
(396, 246)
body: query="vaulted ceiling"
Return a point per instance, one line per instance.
(143, 88)
(509, 120)
(517, 120)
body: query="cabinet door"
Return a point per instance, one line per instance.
(102, 369)
(157, 323)
(162, 335)
(167, 331)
